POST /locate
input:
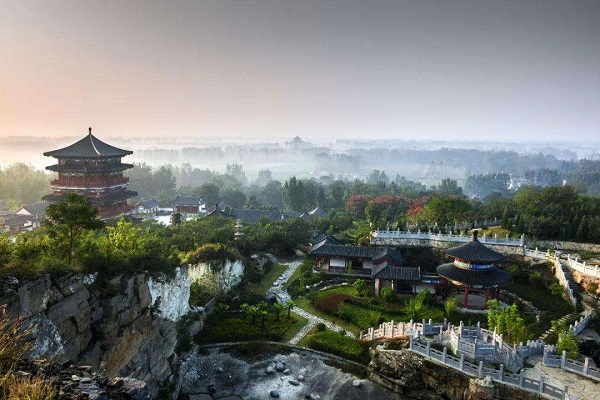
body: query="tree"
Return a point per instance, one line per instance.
(449, 187)
(450, 306)
(289, 305)
(507, 321)
(567, 342)
(244, 309)
(254, 312)
(68, 219)
(360, 286)
(237, 171)
(278, 309)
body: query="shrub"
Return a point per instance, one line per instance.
(331, 303)
(388, 295)
(556, 289)
(343, 346)
(567, 342)
(320, 327)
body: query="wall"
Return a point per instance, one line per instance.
(560, 245)
(516, 250)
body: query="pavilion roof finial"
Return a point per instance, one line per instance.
(475, 232)
(90, 130)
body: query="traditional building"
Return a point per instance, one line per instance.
(250, 216)
(93, 169)
(474, 271)
(383, 264)
(189, 204)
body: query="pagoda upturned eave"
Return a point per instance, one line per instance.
(118, 196)
(82, 168)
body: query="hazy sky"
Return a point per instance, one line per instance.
(320, 69)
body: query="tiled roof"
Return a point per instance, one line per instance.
(327, 248)
(37, 209)
(88, 147)
(390, 253)
(323, 236)
(486, 277)
(152, 203)
(188, 200)
(318, 212)
(394, 272)
(475, 252)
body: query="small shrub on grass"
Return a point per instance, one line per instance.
(333, 342)
(388, 295)
(556, 289)
(320, 327)
(229, 327)
(331, 304)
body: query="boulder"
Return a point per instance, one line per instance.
(294, 382)
(270, 370)
(357, 383)
(274, 393)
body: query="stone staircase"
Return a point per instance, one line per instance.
(564, 319)
(577, 288)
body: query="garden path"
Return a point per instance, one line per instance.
(312, 319)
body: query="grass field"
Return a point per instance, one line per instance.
(233, 327)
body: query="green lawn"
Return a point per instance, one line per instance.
(343, 306)
(255, 292)
(333, 342)
(551, 306)
(232, 327)
(298, 272)
(305, 304)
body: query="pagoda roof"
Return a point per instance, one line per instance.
(484, 277)
(72, 167)
(475, 252)
(88, 147)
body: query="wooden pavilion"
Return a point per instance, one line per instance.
(474, 271)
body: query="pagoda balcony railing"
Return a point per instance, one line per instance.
(74, 182)
(379, 235)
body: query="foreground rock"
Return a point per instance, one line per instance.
(127, 325)
(245, 377)
(415, 377)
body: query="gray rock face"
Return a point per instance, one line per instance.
(72, 323)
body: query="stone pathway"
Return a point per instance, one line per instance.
(312, 319)
(581, 388)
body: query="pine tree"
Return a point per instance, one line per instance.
(504, 222)
(581, 234)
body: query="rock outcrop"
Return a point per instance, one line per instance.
(124, 328)
(417, 377)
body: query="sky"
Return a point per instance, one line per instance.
(324, 69)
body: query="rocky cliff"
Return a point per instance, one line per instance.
(124, 327)
(418, 378)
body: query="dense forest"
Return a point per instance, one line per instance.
(542, 203)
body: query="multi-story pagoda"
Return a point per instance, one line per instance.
(474, 271)
(92, 169)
